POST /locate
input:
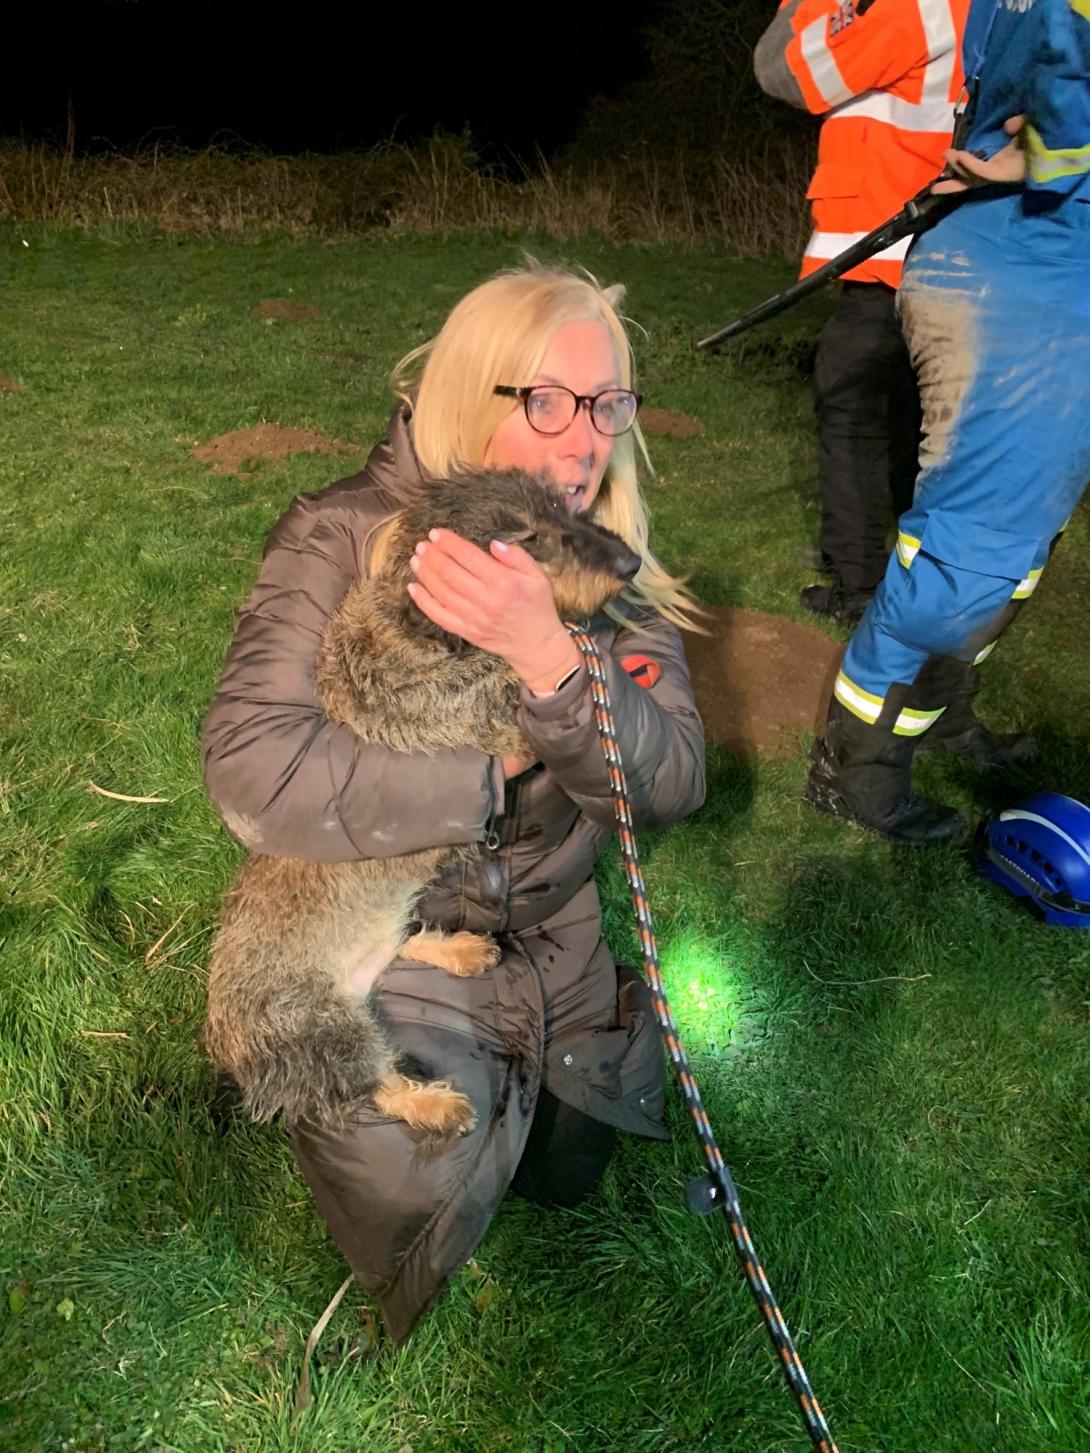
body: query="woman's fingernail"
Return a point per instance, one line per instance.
(433, 534)
(414, 563)
(412, 589)
(419, 548)
(501, 547)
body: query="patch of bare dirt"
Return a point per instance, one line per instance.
(283, 310)
(230, 453)
(661, 422)
(342, 357)
(760, 680)
(9, 383)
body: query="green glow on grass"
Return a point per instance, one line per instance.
(704, 987)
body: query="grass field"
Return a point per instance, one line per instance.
(894, 1055)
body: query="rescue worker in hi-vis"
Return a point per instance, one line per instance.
(995, 306)
(885, 75)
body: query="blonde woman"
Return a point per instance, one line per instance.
(557, 1046)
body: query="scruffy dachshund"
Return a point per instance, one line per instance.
(302, 944)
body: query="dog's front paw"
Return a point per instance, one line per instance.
(470, 953)
(462, 954)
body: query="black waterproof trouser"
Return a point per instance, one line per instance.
(566, 1154)
(868, 413)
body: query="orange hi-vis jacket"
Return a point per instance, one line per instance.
(886, 81)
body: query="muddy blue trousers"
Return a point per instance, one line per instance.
(995, 307)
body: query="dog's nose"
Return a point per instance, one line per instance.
(628, 565)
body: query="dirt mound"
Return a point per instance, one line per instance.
(659, 422)
(9, 383)
(761, 679)
(342, 357)
(283, 310)
(229, 453)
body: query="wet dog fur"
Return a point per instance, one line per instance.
(302, 944)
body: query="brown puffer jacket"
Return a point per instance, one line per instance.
(554, 1012)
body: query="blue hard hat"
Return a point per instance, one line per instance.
(1040, 849)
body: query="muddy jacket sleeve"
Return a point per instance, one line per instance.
(283, 777)
(774, 75)
(660, 735)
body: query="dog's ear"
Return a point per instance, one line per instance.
(381, 541)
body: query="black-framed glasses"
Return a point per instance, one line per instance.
(550, 407)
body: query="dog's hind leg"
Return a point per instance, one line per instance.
(318, 1054)
(461, 954)
(435, 1105)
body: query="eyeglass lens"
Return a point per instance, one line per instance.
(551, 409)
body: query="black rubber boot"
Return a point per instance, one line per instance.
(863, 774)
(960, 730)
(836, 602)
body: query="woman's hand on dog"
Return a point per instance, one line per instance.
(500, 601)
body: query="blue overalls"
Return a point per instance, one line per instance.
(995, 305)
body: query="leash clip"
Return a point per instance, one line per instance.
(703, 1196)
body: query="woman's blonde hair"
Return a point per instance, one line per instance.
(499, 334)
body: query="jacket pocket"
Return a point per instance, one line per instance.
(949, 537)
(616, 1075)
(833, 179)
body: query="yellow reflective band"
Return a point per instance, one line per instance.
(912, 723)
(1025, 588)
(987, 651)
(907, 546)
(1044, 165)
(1081, 7)
(863, 704)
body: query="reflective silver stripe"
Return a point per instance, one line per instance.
(907, 548)
(1016, 814)
(987, 651)
(831, 244)
(868, 707)
(934, 111)
(863, 704)
(927, 115)
(912, 723)
(824, 71)
(1025, 588)
(942, 43)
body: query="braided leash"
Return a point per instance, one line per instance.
(718, 1190)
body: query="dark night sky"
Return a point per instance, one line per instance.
(313, 75)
